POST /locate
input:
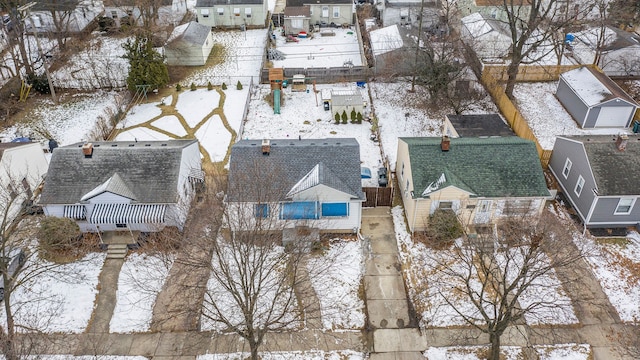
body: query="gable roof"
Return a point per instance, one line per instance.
(612, 39)
(615, 172)
(501, 3)
(385, 40)
(11, 145)
(297, 11)
(480, 125)
(146, 171)
(316, 2)
(191, 32)
(299, 165)
(212, 3)
(116, 3)
(594, 87)
(59, 5)
(485, 167)
(480, 25)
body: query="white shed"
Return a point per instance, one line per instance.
(189, 45)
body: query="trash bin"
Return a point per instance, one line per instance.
(636, 126)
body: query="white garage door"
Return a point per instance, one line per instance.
(614, 116)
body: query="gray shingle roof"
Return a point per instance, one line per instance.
(212, 3)
(194, 33)
(616, 172)
(57, 5)
(480, 125)
(147, 171)
(315, 2)
(332, 162)
(486, 167)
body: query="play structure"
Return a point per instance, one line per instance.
(276, 77)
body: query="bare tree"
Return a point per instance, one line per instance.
(257, 285)
(502, 278)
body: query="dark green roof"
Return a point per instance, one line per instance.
(485, 167)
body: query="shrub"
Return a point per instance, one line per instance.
(359, 118)
(444, 226)
(58, 236)
(353, 115)
(178, 87)
(344, 116)
(337, 117)
(209, 86)
(239, 85)
(224, 86)
(193, 87)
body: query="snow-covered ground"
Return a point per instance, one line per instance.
(291, 355)
(404, 114)
(60, 299)
(141, 279)
(547, 117)
(429, 287)
(554, 352)
(339, 50)
(302, 115)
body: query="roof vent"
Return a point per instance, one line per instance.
(445, 143)
(621, 142)
(266, 147)
(87, 150)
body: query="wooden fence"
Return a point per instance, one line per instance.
(529, 72)
(324, 75)
(378, 196)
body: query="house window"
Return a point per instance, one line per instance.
(624, 206)
(262, 210)
(121, 226)
(204, 13)
(311, 11)
(247, 12)
(336, 11)
(299, 210)
(220, 11)
(484, 205)
(114, 14)
(567, 168)
(325, 11)
(236, 11)
(445, 205)
(335, 209)
(517, 207)
(579, 185)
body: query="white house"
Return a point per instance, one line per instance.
(232, 13)
(170, 12)
(407, 12)
(293, 182)
(189, 45)
(22, 168)
(72, 16)
(137, 186)
(619, 50)
(326, 12)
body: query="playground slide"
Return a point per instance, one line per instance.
(276, 101)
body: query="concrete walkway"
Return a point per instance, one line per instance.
(387, 305)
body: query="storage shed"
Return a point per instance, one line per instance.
(346, 100)
(189, 45)
(594, 100)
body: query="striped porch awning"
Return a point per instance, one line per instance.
(128, 214)
(75, 212)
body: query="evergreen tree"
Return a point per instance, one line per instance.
(146, 66)
(344, 116)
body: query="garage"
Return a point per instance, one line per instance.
(612, 116)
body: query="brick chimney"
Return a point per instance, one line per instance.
(621, 142)
(266, 147)
(87, 150)
(445, 143)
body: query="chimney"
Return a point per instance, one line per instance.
(266, 147)
(87, 150)
(621, 142)
(445, 143)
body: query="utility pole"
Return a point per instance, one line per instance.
(27, 8)
(415, 62)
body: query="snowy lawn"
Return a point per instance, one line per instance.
(302, 115)
(547, 117)
(337, 287)
(551, 352)
(404, 114)
(429, 287)
(340, 50)
(69, 122)
(290, 355)
(189, 114)
(59, 300)
(616, 264)
(242, 60)
(141, 279)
